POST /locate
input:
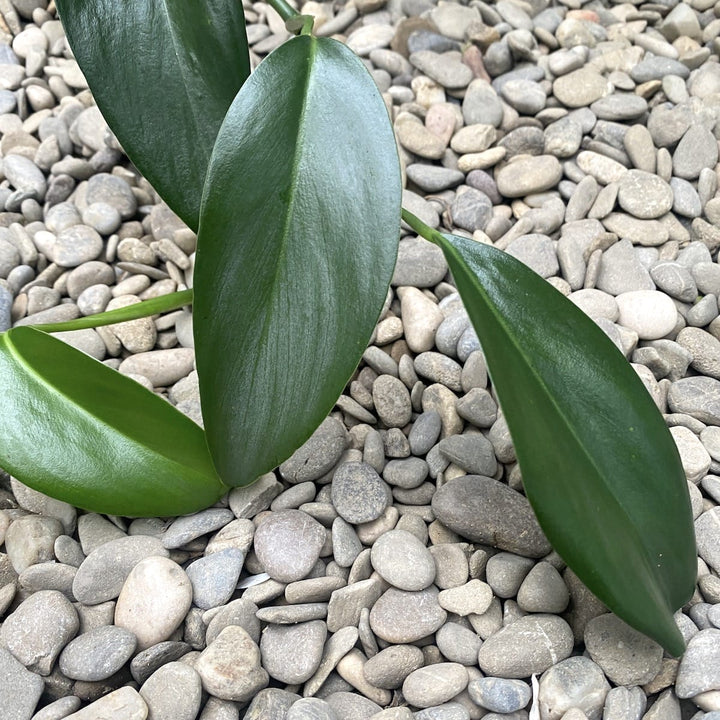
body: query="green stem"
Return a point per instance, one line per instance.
(421, 228)
(154, 306)
(283, 9)
(294, 21)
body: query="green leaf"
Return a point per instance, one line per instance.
(298, 239)
(78, 431)
(599, 465)
(163, 74)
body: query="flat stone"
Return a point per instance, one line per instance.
(707, 533)
(620, 107)
(154, 600)
(434, 684)
(75, 245)
(145, 663)
(445, 69)
(696, 150)
(230, 666)
(644, 195)
(183, 703)
(39, 629)
(124, 703)
(215, 577)
(651, 314)
(489, 512)
(528, 175)
(626, 656)
(699, 669)
(530, 644)
(580, 87)
(317, 455)
(24, 175)
(102, 574)
(473, 452)
(500, 695)
(402, 617)
(403, 561)
(458, 643)
(698, 397)
(240, 612)
(161, 367)
(389, 668)
(292, 653)
(288, 544)
(189, 527)
(97, 654)
(21, 689)
(471, 598)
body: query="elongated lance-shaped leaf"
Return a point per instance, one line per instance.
(298, 239)
(163, 73)
(599, 466)
(76, 430)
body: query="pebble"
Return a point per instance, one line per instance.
(39, 629)
(626, 656)
(421, 318)
(644, 195)
(528, 175)
(707, 533)
(359, 493)
(319, 454)
(154, 600)
(288, 544)
(486, 511)
(160, 367)
(530, 644)
(576, 682)
(651, 314)
(434, 684)
(420, 263)
(402, 617)
(125, 703)
(499, 694)
(292, 653)
(183, 703)
(21, 689)
(215, 577)
(699, 669)
(580, 87)
(102, 574)
(97, 654)
(543, 590)
(403, 561)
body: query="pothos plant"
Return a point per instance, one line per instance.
(290, 176)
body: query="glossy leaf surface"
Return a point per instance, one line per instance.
(163, 74)
(598, 464)
(79, 431)
(298, 239)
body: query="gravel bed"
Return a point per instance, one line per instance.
(391, 569)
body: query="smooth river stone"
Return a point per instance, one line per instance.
(404, 617)
(528, 175)
(644, 195)
(581, 87)
(403, 561)
(530, 644)
(102, 574)
(486, 511)
(154, 600)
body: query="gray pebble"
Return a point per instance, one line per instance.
(486, 511)
(471, 209)
(358, 492)
(292, 653)
(707, 533)
(97, 654)
(644, 195)
(403, 561)
(288, 544)
(215, 576)
(31, 539)
(676, 280)
(310, 709)
(392, 401)
(434, 684)
(183, 702)
(39, 629)
(403, 617)
(626, 656)
(317, 455)
(698, 397)
(24, 175)
(530, 644)
(576, 682)
(113, 191)
(102, 574)
(699, 669)
(240, 612)
(145, 663)
(431, 178)
(621, 270)
(389, 668)
(21, 689)
(458, 643)
(499, 694)
(420, 264)
(161, 367)
(623, 703)
(346, 544)
(696, 150)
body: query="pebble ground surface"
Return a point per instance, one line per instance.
(359, 579)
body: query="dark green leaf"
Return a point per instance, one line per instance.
(74, 429)
(163, 74)
(298, 238)
(598, 464)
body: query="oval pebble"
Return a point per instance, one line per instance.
(98, 653)
(403, 561)
(359, 493)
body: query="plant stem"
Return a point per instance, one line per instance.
(283, 9)
(420, 227)
(164, 303)
(294, 21)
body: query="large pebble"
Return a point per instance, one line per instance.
(288, 544)
(154, 600)
(359, 493)
(318, 454)
(98, 653)
(292, 653)
(434, 684)
(699, 669)
(21, 689)
(528, 175)
(404, 617)
(39, 629)
(486, 511)
(580, 87)
(230, 666)
(500, 694)
(125, 703)
(161, 367)
(530, 644)
(183, 702)
(626, 656)
(102, 574)
(644, 195)
(651, 314)
(576, 682)
(403, 561)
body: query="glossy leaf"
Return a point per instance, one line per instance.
(598, 464)
(79, 431)
(298, 239)
(163, 74)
